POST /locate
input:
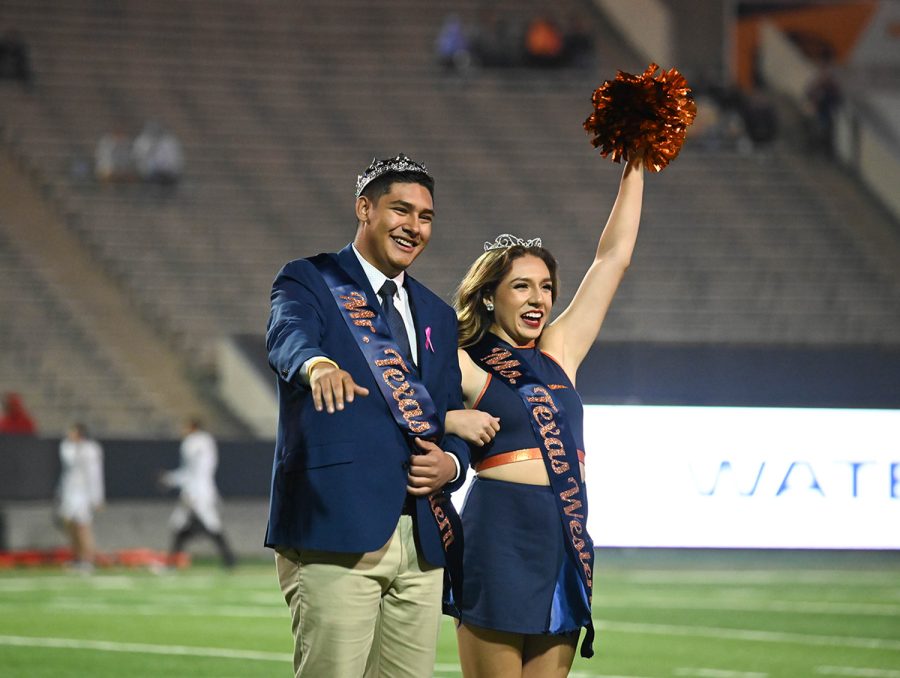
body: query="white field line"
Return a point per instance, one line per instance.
(608, 625)
(144, 648)
(856, 672)
(74, 607)
(750, 635)
(141, 648)
(14, 584)
(717, 673)
(181, 608)
(804, 607)
(840, 578)
(198, 582)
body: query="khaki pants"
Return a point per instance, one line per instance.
(372, 615)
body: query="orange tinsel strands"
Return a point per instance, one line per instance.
(642, 113)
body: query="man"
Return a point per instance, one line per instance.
(197, 511)
(357, 517)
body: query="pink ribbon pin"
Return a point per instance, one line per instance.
(428, 343)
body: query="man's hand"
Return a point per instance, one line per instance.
(430, 470)
(332, 387)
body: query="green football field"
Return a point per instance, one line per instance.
(704, 614)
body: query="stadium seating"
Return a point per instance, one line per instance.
(279, 105)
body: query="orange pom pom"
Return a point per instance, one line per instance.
(642, 114)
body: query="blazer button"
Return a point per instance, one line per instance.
(405, 466)
(285, 373)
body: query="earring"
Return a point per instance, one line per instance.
(489, 306)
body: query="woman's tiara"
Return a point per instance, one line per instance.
(505, 240)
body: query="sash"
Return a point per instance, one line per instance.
(560, 454)
(409, 402)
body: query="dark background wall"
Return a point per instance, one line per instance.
(736, 375)
(614, 373)
(29, 468)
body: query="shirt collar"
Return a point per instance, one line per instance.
(376, 277)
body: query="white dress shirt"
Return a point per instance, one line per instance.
(401, 299)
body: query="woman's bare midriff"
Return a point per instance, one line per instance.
(528, 472)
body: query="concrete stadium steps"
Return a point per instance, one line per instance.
(280, 103)
(61, 373)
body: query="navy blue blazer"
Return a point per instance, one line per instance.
(339, 480)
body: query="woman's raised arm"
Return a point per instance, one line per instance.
(572, 334)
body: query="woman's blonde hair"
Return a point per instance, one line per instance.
(481, 281)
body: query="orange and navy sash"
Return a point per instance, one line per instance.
(560, 453)
(408, 400)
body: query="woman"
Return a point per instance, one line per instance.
(528, 559)
(80, 492)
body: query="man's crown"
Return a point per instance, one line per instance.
(379, 167)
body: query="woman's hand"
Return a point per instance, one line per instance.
(474, 426)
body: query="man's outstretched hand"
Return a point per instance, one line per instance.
(332, 387)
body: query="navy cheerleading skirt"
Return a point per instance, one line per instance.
(513, 558)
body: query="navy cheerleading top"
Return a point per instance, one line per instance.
(516, 433)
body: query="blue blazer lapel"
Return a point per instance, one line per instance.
(423, 319)
(348, 261)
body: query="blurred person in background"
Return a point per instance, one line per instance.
(158, 156)
(113, 160)
(15, 419)
(81, 492)
(452, 47)
(544, 43)
(578, 38)
(757, 109)
(197, 512)
(823, 101)
(498, 41)
(15, 62)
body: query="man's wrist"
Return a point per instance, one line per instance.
(307, 369)
(456, 465)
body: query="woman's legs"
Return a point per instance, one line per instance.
(486, 653)
(549, 656)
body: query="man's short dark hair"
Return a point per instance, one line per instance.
(382, 185)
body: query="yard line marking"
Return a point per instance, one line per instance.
(67, 582)
(150, 610)
(858, 672)
(750, 635)
(717, 673)
(843, 578)
(877, 609)
(144, 648)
